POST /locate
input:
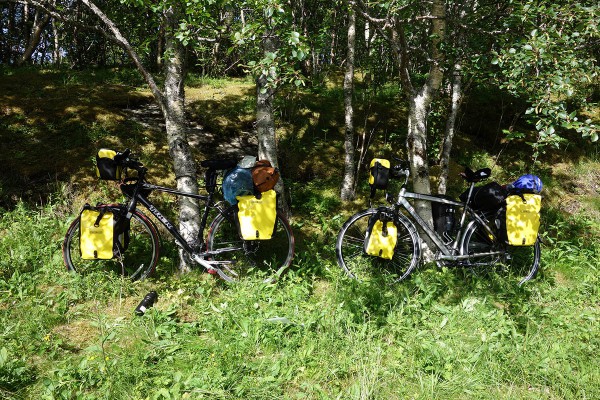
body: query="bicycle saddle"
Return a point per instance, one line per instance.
(476, 176)
(219, 164)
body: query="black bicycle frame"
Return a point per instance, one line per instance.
(137, 197)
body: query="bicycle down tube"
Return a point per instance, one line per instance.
(166, 222)
(197, 256)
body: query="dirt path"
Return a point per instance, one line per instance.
(210, 145)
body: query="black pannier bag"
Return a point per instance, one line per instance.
(443, 216)
(489, 197)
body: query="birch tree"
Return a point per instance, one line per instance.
(424, 23)
(171, 98)
(40, 21)
(273, 46)
(349, 177)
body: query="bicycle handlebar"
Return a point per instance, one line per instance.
(402, 169)
(126, 160)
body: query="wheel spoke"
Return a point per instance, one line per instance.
(138, 261)
(357, 264)
(269, 258)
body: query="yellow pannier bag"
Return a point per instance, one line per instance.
(257, 216)
(379, 170)
(107, 167)
(96, 234)
(523, 219)
(381, 237)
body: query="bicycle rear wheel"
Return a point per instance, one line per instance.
(521, 262)
(240, 258)
(137, 262)
(349, 250)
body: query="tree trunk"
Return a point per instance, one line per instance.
(172, 105)
(56, 58)
(333, 39)
(450, 128)
(179, 148)
(416, 144)
(39, 23)
(419, 105)
(265, 121)
(347, 190)
(25, 28)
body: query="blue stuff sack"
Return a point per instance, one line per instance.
(527, 184)
(237, 182)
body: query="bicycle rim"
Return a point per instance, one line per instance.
(359, 265)
(519, 262)
(237, 258)
(137, 262)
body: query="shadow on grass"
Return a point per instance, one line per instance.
(52, 127)
(431, 287)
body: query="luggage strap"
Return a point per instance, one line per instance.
(102, 212)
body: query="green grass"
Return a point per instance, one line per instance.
(442, 334)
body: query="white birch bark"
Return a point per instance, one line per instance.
(265, 121)
(179, 148)
(347, 190)
(39, 24)
(450, 128)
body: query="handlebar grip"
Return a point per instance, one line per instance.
(123, 159)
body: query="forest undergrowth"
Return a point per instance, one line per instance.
(443, 334)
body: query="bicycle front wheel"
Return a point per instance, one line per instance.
(522, 262)
(137, 262)
(349, 250)
(240, 258)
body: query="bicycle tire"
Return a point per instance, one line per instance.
(349, 250)
(520, 261)
(137, 262)
(240, 258)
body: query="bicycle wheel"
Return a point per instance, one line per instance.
(137, 262)
(522, 262)
(359, 265)
(240, 258)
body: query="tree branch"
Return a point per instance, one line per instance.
(158, 95)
